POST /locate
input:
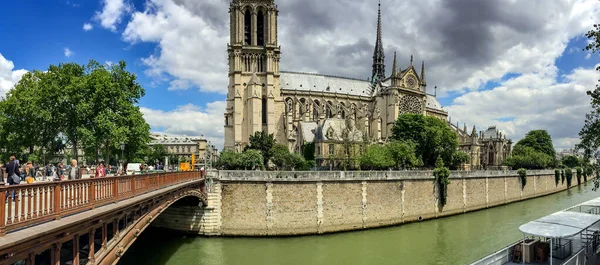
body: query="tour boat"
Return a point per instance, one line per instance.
(568, 237)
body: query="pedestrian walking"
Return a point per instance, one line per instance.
(73, 171)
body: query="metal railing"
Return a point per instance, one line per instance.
(30, 204)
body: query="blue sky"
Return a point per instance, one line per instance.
(168, 44)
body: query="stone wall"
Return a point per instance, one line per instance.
(257, 203)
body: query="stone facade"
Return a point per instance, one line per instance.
(185, 146)
(300, 108)
(255, 203)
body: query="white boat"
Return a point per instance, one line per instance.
(568, 237)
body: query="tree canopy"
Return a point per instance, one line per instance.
(431, 136)
(91, 106)
(263, 142)
(528, 158)
(540, 141)
(590, 133)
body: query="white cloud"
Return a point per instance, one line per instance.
(87, 26)
(112, 13)
(190, 120)
(68, 52)
(530, 102)
(192, 48)
(8, 76)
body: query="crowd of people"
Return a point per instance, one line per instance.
(14, 172)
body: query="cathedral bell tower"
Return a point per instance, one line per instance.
(253, 93)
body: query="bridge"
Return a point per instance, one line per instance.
(87, 221)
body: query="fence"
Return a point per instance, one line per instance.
(29, 204)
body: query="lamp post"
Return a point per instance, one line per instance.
(122, 148)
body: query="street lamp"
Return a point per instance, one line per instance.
(122, 148)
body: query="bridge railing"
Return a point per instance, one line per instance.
(30, 204)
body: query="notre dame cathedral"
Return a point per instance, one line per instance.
(300, 108)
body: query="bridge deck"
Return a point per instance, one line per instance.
(26, 234)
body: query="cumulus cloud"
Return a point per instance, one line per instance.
(112, 13)
(190, 120)
(87, 26)
(192, 38)
(68, 52)
(465, 44)
(8, 75)
(529, 102)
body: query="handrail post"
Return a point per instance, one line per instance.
(116, 189)
(2, 215)
(133, 180)
(92, 194)
(57, 206)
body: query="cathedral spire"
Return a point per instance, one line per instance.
(423, 73)
(395, 73)
(378, 56)
(411, 60)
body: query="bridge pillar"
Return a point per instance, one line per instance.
(195, 219)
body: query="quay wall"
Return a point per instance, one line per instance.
(259, 203)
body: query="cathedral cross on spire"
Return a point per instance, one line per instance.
(378, 56)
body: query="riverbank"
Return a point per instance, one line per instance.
(260, 203)
(458, 239)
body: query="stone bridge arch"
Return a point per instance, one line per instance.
(96, 236)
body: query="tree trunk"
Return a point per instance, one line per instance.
(107, 154)
(75, 155)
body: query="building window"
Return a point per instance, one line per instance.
(177, 148)
(318, 150)
(260, 28)
(331, 148)
(247, 27)
(189, 149)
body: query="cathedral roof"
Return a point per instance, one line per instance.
(308, 130)
(433, 103)
(324, 83)
(491, 132)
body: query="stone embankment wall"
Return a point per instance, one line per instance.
(258, 203)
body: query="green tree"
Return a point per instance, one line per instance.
(263, 142)
(251, 159)
(376, 157)
(279, 155)
(590, 133)
(562, 176)
(458, 158)
(570, 161)
(579, 171)
(158, 153)
(403, 154)
(432, 137)
(526, 157)
(309, 151)
(229, 159)
(540, 141)
(556, 176)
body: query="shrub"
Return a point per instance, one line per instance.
(579, 171)
(562, 176)
(569, 176)
(523, 175)
(442, 176)
(556, 176)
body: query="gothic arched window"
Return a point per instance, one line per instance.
(316, 110)
(260, 28)
(248, 27)
(303, 107)
(328, 111)
(342, 110)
